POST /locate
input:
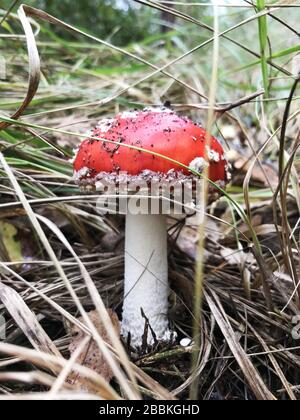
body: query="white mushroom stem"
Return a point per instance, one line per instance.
(146, 279)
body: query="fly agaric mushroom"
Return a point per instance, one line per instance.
(162, 132)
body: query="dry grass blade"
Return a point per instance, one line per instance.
(251, 374)
(33, 378)
(63, 396)
(290, 262)
(43, 359)
(199, 270)
(62, 378)
(26, 320)
(157, 391)
(276, 366)
(207, 345)
(49, 301)
(34, 66)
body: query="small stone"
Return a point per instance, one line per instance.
(186, 342)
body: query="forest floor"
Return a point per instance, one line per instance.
(55, 247)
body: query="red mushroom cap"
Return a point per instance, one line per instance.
(156, 130)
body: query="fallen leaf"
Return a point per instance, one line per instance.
(237, 257)
(187, 241)
(8, 234)
(91, 356)
(262, 173)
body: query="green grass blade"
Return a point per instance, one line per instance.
(263, 40)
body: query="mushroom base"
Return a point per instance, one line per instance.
(146, 289)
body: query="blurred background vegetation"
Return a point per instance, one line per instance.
(119, 21)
